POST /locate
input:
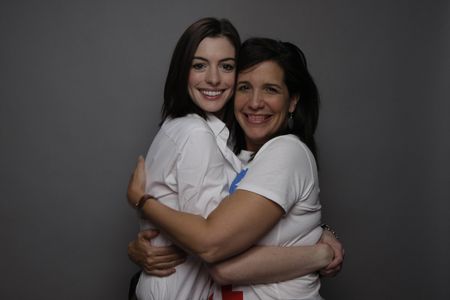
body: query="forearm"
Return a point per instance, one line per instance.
(236, 224)
(187, 230)
(228, 230)
(264, 264)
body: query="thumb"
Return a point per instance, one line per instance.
(149, 234)
(141, 160)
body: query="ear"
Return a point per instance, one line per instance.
(293, 103)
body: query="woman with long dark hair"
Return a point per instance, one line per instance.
(275, 197)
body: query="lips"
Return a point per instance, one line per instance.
(211, 93)
(257, 118)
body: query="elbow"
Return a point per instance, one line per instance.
(211, 254)
(220, 274)
(212, 248)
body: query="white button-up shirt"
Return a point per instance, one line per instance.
(189, 168)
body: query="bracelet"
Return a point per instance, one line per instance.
(327, 227)
(142, 201)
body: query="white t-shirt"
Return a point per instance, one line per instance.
(284, 171)
(189, 168)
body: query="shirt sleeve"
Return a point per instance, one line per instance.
(282, 171)
(201, 182)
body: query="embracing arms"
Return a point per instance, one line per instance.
(227, 231)
(265, 264)
(259, 264)
(210, 238)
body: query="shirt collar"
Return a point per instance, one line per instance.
(216, 125)
(222, 134)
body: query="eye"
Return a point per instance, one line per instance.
(243, 87)
(227, 67)
(198, 66)
(271, 90)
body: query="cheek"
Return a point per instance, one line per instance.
(239, 101)
(229, 79)
(282, 106)
(192, 79)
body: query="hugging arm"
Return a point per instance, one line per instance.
(259, 264)
(267, 264)
(227, 231)
(253, 266)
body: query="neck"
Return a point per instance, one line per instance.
(252, 146)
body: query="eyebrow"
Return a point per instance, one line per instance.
(265, 84)
(273, 85)
(222, 60)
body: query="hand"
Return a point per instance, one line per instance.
(156, 261)
(336, 264)
(136, 185)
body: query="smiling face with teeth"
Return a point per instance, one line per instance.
(212, 74)
(262, 103)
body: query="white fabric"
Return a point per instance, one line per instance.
(284, 171)
(189, 168)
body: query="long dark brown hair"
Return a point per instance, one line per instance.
(297, 79)
(177, 102)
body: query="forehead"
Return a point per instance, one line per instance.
(265, 72)
(215, 48)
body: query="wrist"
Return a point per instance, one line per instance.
(142, 200)
(325, 255)
(328, 228)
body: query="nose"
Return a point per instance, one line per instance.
(256, 100)
(213, 76)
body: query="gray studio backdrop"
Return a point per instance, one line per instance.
(81, 88)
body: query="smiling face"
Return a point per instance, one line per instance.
(262, 103)
(212, 75)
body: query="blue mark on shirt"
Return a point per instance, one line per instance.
(236, 180)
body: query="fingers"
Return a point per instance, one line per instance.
(331, 272)
(165, 251)
(329, 238)
(162, 269)
(160, 273)
(333, 268)
(164, 256)
(136, 184)
(167, 265)
(139, 164)
(152, 257)
(140, 167)
(336, 261)
(148, 234)
(169, 258)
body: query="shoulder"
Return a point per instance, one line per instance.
(285, 145)
(182, 129)
(285, 153)
(185, 124)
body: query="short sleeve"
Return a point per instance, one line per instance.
(282, 171)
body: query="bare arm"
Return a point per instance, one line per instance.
(233, 220)
(264, 264)
(271, 264)
(259, 264)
